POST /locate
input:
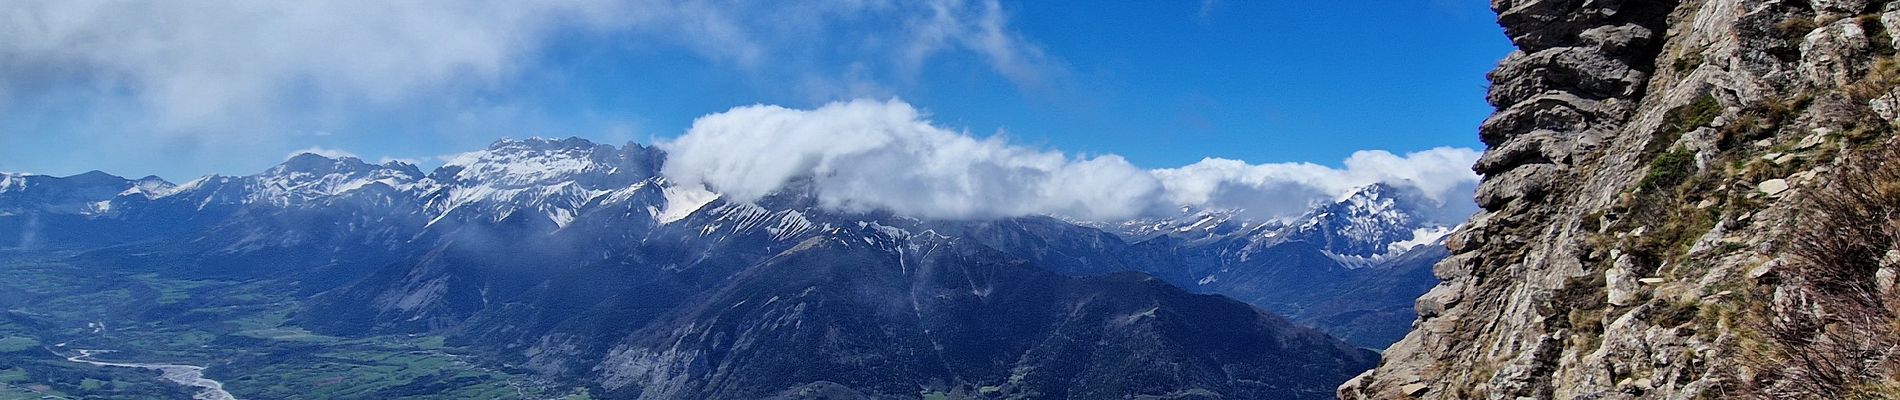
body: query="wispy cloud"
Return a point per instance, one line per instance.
(981, 27)
(1206, 10)
(245, 73)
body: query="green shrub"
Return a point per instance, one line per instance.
(1668, 171)
(1681, 120)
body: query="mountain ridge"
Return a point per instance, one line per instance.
(543, 186)
(575, 260)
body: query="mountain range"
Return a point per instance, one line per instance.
(582, 263)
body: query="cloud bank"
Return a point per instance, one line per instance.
(863, 155)
(1442, 174)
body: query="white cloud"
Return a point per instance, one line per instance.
(1439, 173)
(221, 66)
(863, 155)
(202, 77)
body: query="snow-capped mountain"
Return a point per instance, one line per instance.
(549, 178)
(84, 194)
(544, 179)
(554, 181)
(304, 180)
(1351, 266)
(1370, 226)
(1364, 228)
(1190, 224)
(544, 223)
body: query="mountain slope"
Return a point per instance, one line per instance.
(687, 310)
(966, 321)
(1350, 267)
(576, 261)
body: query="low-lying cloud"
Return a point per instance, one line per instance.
(862, 155)
(1442, 174)
(884, 155)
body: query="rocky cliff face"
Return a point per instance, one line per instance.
(1649, 167)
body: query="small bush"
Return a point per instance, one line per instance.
(1786, 110)
(1795, 30)
(1681, 120)
(1581, 302)
(1587, 292)
(1668, 170)
(1687, 63)
(1673, 313)
(1877, 35)
(1586, 326)
(1880, 80)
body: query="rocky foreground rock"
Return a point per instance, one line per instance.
(1650, 166)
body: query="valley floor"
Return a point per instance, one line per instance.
(242, 332)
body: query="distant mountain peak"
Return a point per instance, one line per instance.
(1374, 190)
(543, 143)
(312, 163)
(1372, 224)
(1191, 224)
(151, 186)
(517, 163)
(88, 193)
(1363, 227)
(95, 176)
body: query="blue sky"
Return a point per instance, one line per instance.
(232, 90)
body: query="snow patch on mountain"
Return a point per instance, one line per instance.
(554, 179)
(309, 177)
(682, 201)
(1420, 237)
(532, 162)
(150, 187)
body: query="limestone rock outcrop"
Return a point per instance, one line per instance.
(1646, 166)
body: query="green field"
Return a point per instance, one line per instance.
(14, 344)
(240, 331)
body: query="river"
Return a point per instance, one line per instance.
(186, 375)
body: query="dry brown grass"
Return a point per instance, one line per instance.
(1832, 325)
